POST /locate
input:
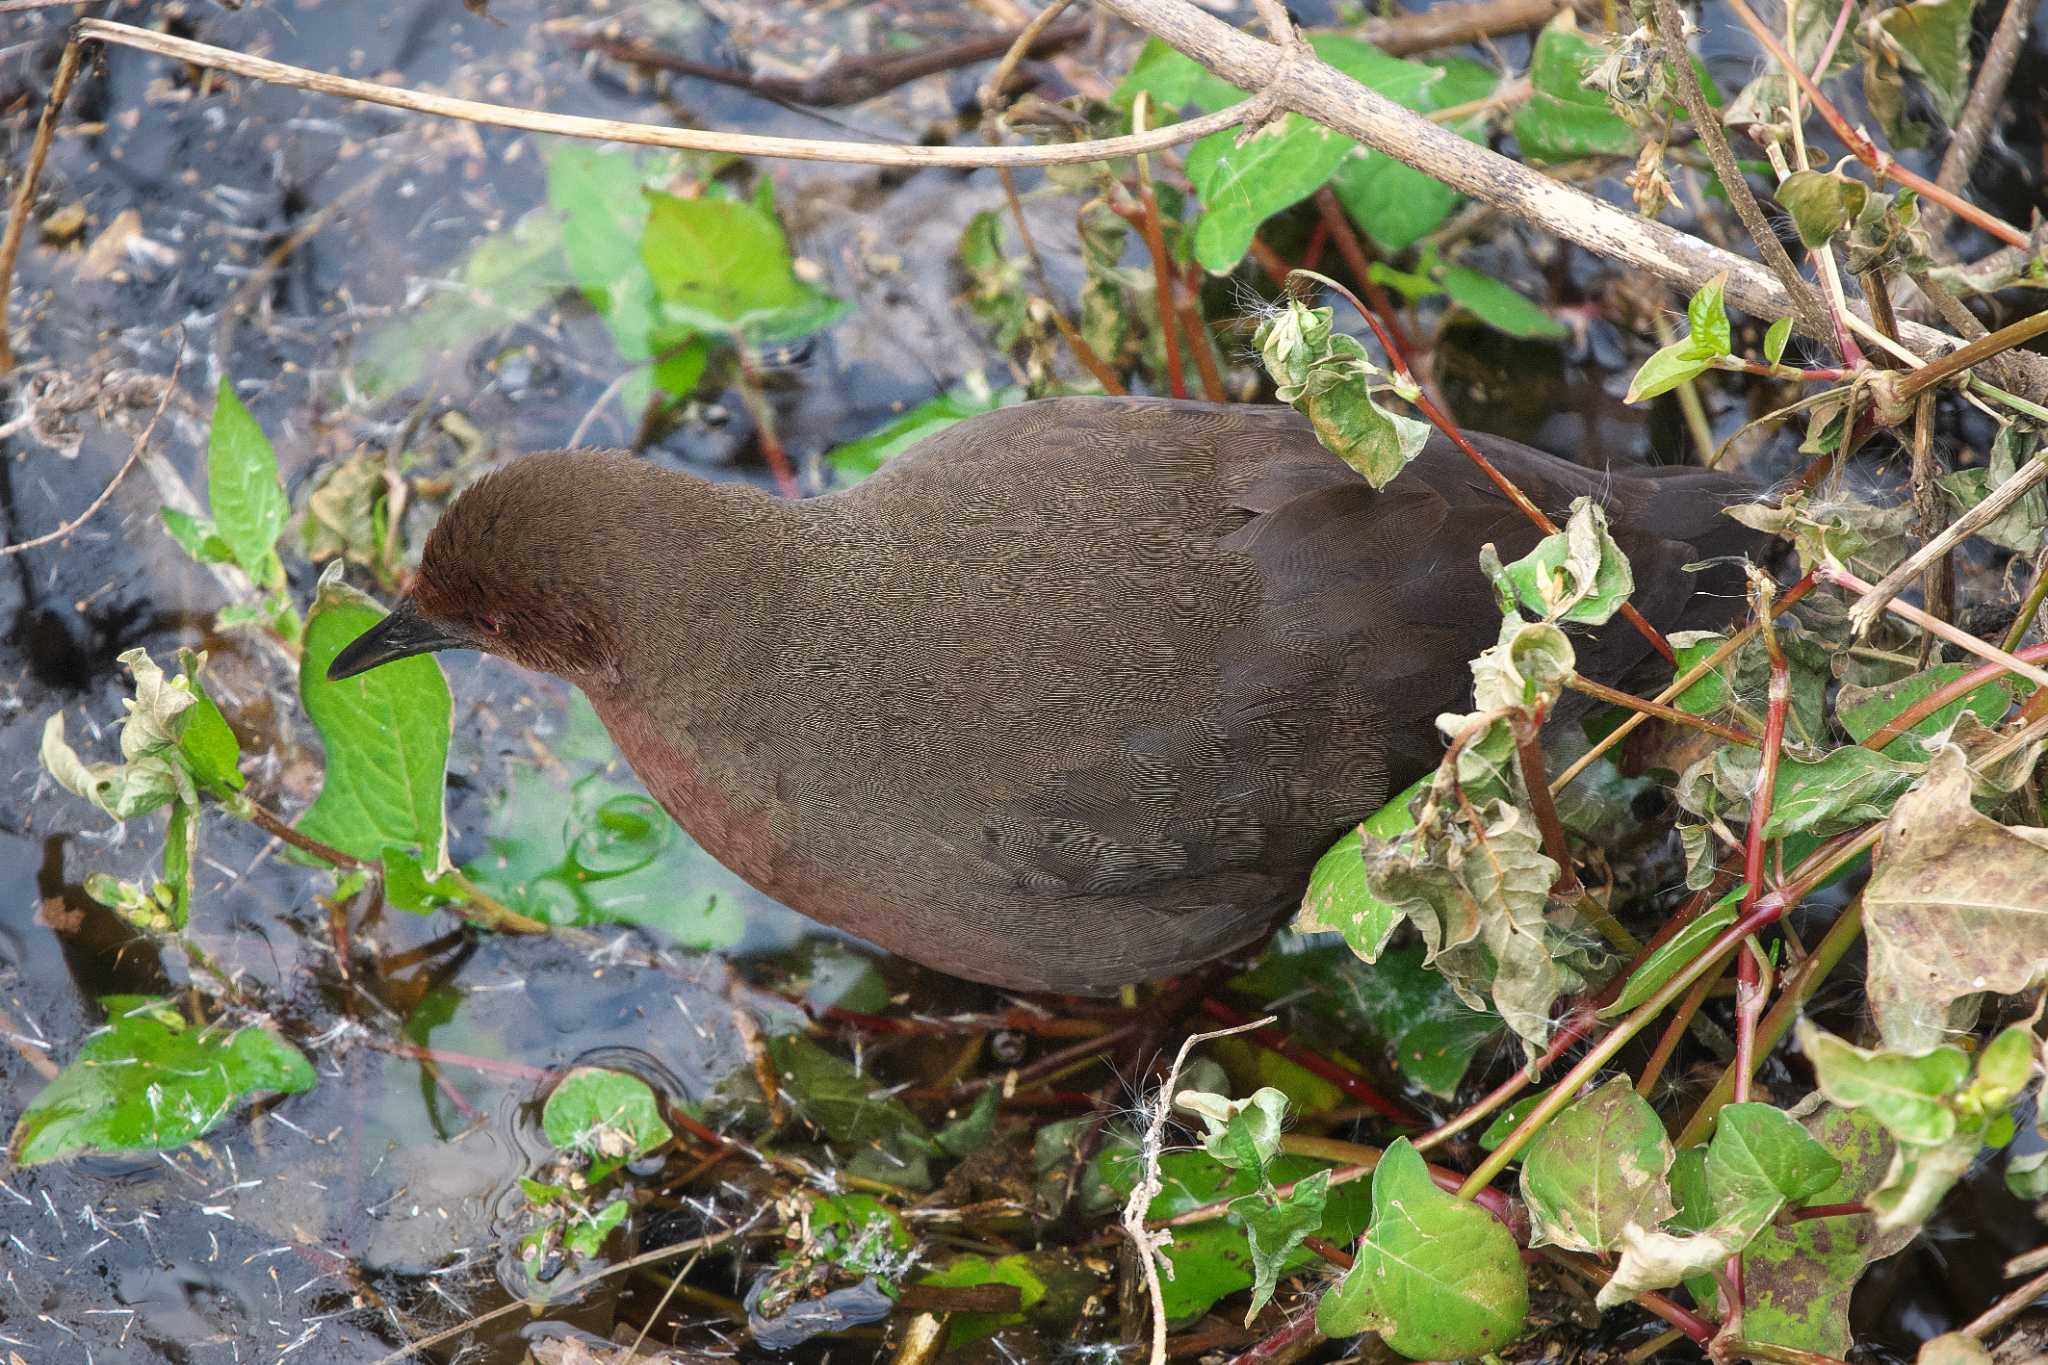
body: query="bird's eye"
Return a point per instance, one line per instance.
(490, 625)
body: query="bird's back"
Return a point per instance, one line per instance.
(1074, 693)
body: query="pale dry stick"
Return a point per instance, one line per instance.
(1962, 639)
(1251, 111)
(1707, 125)
(24, 193)
(1863, 615)
(696, 1245)
(1305, 84)
(1987, 96)
(1150, 1242)
(2006, 1308)
(991, 92)
(134, 458)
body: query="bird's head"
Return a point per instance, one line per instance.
(518, 567)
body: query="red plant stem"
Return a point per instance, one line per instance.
(1199, 340)
(490, 1066)
(1848, 1210)
(1817, 375)
(1318, 238)
(1348, 1081)
(1749, 973)
(1352, 250)
(1162, 279)
(1866, 151)
(1942, 696)
(1684, 1319)
(1616, 697)
(1336, 1256)
(1527, 730)
(1282, 1345)
(1442, 421)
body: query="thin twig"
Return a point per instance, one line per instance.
(1616, 697)
(25, 192)
(1986, 102)
(1974, 353)
(1251, 111)
(1806, 305)
(991, 92)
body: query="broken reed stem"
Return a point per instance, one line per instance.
(1616, 697)
(1841, 577)
(2030, 607)
(25, 192)
(1880, 162)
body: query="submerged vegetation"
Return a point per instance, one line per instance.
(1650, 1039)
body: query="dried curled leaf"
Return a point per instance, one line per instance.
(1958, 904)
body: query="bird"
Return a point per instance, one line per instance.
(1071, 694)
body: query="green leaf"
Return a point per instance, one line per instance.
(1327, 377)
(385, 732)
(1711, 692)
(1174, 81)
(1285, 162)
(974, 1129)
(585, 1234)
(1775, 338)
(1933, 39)
(1275, 1228)
(838, 1100)
(1910, 1094)
(1243, 1135)
(1798, 1276)
(1579, 574)
(1708, 339)
(1598, 1167)
(606, 1117)
(1437, 1277)
(1338, 898)
(1863, 711)
(859, 458)
(725, 267)
(197, 537)
(1241, 187)
(1674, 954)
(248, 502)
(150, 1082)
(965, 1272)
(1499, 305)
(1562, 119)
(597, 192)
(1839, 791)
(1822, 204)
(208, 745)
(1431, 1035)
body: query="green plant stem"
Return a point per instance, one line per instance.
(1777, 1355)
(492, 913)
(2029, 609)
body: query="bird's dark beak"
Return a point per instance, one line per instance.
(400, 635)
